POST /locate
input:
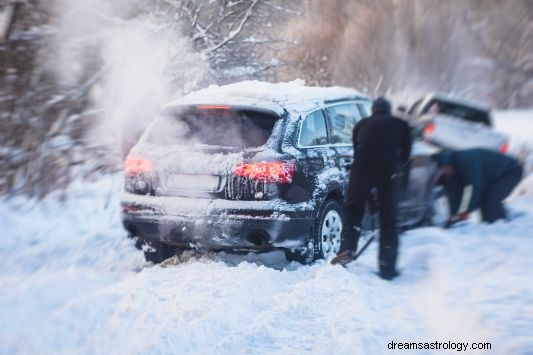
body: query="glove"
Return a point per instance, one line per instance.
(463, 216)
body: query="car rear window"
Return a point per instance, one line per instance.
(452, 109)
(214, 126)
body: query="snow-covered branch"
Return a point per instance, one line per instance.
(233, 33)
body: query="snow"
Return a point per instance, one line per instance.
(455, 133)
(6, 13)
(293, 96)
(517, 124)
(73, 283)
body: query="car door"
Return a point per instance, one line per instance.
(342, 118)
(317, 154)
(414, 196)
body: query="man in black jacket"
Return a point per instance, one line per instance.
(382, 145)
(492, 176)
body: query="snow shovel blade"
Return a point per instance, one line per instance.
(455, 224)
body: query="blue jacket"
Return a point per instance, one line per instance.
(477, 167)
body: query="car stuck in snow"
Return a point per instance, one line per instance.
(255, 166)
(454, 123)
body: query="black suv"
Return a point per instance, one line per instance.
(253, 166)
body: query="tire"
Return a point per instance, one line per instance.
(326, 237)
(439, 209)
(138, 241)
(156, 252)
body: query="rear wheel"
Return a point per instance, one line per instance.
(326, 238)
(138, 241)
(330, 231)
(157, 252)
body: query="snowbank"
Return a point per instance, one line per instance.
(73, 283)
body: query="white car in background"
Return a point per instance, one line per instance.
(455, 123)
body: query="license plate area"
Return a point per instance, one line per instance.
(193, 182)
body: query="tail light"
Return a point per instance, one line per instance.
(504, 148)
(429, 129)
(130, 209)
(135, 166)
(280, 172)
(213, 107)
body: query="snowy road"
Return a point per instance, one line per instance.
(72, 283)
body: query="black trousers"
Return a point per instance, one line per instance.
(492, 207)
(361, 183)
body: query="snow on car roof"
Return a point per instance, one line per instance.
(292, 96)
(460, 101)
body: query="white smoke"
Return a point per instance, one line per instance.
(130, 62)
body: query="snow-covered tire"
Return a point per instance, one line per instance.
(439, 209)
(326, 237)
(156, 252)
(138, 241)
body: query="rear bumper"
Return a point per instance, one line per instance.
(218, 224)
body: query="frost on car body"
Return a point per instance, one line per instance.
(248, 166)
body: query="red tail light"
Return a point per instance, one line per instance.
(213, 107)
(130, 209)
(280, 172)
(429, 129)
(504, 148)
(135, 166)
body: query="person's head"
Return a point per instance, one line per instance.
(444, 160)
(381, 106)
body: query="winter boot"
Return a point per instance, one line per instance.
(388, 275)
(343, 258)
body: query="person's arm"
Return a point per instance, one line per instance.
(355, 131)
(455, 196)
(474, 177)
(471, 169)
(471, 174)
(354, 135)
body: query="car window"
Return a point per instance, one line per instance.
(224, 127)
(413, 108)
(343, 118)
(457, 110)
(313, 130)
(365, 108)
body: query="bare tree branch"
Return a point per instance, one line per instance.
(235, 32)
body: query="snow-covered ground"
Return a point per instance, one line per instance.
(72, 283)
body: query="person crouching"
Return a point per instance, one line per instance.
(491, 175)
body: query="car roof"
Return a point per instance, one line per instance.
(293, 96)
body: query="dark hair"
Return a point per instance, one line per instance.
(381, 105)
